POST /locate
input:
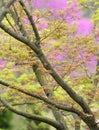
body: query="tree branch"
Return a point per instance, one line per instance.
(31, 21)
(20, 38)
(13, 34)
(46, 100)
(47, 65)
(6, 9)
(78, 99)
(19, 104)
(18, 21)
(29, 116)
(10, 24)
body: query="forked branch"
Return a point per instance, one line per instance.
(6, 9)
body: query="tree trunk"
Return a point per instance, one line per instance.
(94, 128)
(77, 125)
(43, 82)
(77, 121)
(59, 118)
(92, 124)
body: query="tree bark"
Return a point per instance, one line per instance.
(77, 121)
(43, 82)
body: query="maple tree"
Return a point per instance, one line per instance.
(46, 67)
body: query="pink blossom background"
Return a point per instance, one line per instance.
(85, 26)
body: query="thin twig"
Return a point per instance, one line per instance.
(6, 9)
